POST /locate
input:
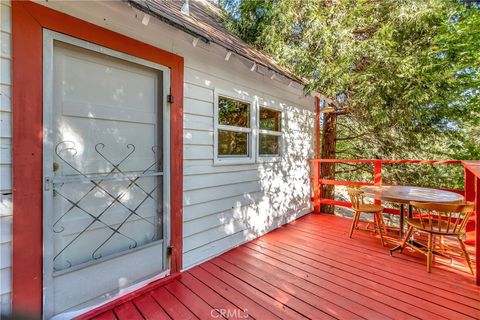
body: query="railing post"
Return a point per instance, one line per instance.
(477, 229)
(469, 179)
(469, 195)
(316, 186)
(377, 175)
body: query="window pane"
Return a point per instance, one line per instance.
(232, 143)
(270, 119)
(233, 112)
(268, 144)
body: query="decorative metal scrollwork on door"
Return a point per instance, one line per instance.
(76, 203)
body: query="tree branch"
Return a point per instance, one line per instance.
(347, 126)
(347, 153)
(346, 171)
(354, 137)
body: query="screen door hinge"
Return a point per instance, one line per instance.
(169, 251)
(170, 98)
(47, 184)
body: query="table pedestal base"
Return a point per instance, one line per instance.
(412, 242)
(402, 221)
(419, 245)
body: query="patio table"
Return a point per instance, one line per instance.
(405, 194)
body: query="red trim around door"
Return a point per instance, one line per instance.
(28, 20)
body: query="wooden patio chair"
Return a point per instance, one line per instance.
(357, 198)
(438, 219)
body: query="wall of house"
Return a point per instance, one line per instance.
(5, 157)
(224, 206)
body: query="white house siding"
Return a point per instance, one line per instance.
(224, 206)
(5, 157)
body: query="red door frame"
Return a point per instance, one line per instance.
(28, 21)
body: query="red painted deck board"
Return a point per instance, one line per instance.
(214, 299)
(311, 269)
(261, 301)
(369, 262)
(174, 308)
(419, 287)
(108, 315)
(317, 289)
(149, 308)
(398, 289)
(325, 301)
(194, 303)
(127, 311)
(347, 289)
(395, 297)
(328, 275)
(236, 291)
(368, 252)
(402, 266)
(286, 297)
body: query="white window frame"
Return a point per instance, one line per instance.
(270, 157)
(232, 160)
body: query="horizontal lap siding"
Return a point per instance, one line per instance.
(225, 206)
(5, 157)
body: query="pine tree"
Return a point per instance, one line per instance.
(407, 71)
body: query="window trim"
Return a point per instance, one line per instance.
(270, 157)
(234, 159)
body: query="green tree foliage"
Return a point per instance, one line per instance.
(407, 71)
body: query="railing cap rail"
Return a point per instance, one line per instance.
(386, 161)
(473, 166)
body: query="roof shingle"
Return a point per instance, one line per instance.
(203, 22)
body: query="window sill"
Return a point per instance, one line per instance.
(232, 161)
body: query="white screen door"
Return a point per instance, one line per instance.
(105, 190)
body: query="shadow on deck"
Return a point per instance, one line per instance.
(310, 269)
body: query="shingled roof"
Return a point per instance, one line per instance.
(203, 23)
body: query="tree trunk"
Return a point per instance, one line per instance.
(327, 170)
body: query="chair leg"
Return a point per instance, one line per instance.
(383, 223)
(465, 253)
(354, 223)
(429, 252)
(407, 237)
(442, 243)
(379, 227)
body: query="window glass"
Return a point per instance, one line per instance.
(233, 112)
(270, 119)
(268, 144)
(231, 143)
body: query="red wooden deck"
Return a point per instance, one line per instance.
(310, 269)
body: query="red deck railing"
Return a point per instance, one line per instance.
(471, 190)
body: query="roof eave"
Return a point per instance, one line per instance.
(206, 39)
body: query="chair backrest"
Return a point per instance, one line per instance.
(357, 197)
(445, 218)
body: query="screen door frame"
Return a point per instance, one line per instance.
(28, 21)
(49, 37)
